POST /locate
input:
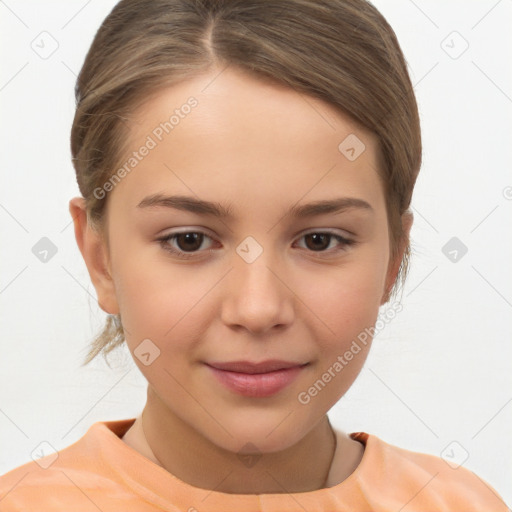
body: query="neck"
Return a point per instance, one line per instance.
(194, 459)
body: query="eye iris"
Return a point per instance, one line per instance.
(318, 237)
(195, 238)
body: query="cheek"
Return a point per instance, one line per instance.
(346, 304)
(151, 294)
(164, 302)
(156, 301)
(347, 298)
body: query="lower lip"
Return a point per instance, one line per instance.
(258, 384)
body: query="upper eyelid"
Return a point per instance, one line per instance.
(328, 231)
(331, 231)
(188, 230)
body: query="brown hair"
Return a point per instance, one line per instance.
(341, 51)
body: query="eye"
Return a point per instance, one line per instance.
(188, 243)
(320, 241)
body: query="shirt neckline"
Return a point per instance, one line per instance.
(159, 485)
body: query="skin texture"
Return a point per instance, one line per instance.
(259, 148)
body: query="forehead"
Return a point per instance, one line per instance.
(228, 134)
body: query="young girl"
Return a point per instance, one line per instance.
(246, 170)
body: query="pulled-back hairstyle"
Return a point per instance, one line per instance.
(341, 51)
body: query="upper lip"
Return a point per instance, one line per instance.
(252, 368)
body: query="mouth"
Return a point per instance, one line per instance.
(256, 379)
(255, 368)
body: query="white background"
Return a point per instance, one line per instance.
(439, 372)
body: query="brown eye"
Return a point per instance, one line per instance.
(189, 241)
(317, 241)
(186, 244)
(322, 242)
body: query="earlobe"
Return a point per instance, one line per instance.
(95, 254)
(394, 265)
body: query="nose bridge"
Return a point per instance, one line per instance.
(256, 298)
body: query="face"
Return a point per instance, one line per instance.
(267, 276)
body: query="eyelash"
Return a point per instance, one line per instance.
(164, 242)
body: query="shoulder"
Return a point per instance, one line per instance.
(77, 477)
(427, 480)
(54, 485)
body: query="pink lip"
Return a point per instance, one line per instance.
(256, 379)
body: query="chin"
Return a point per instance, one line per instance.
(266, 435)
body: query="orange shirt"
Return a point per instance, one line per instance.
(101, 473)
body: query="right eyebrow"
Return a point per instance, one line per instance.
(187, 203)
(202, 207)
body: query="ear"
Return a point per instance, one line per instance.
(95, 254)
(394, 264)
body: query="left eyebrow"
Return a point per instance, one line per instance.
(202, 207)
(338, 205)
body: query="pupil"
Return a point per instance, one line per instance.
(190, 238)
(318, 237)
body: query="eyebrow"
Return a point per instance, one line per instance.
(202, 207)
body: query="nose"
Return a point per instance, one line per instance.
(256, 297)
